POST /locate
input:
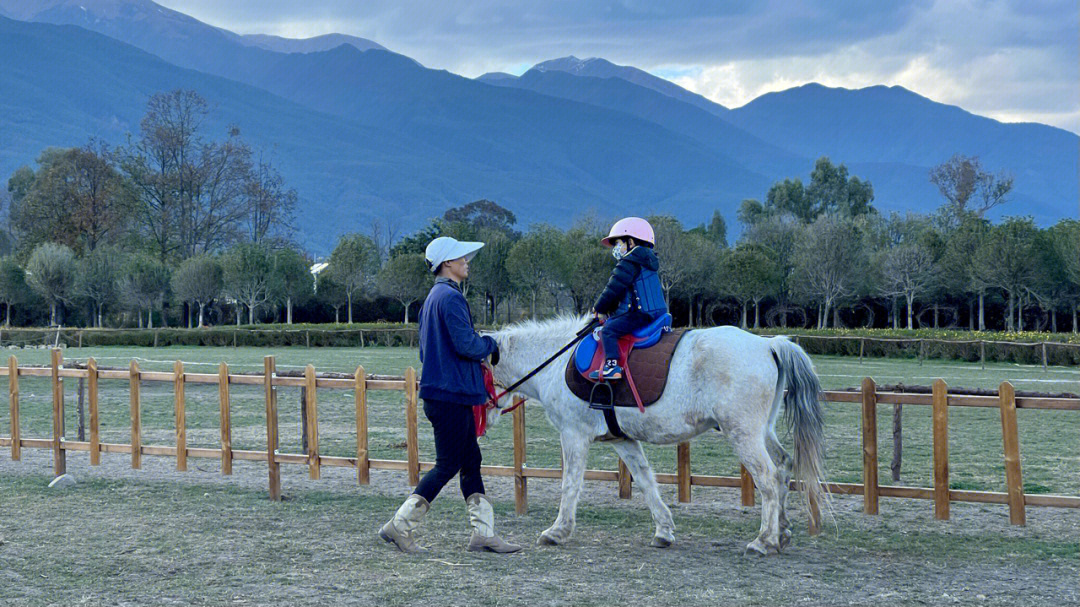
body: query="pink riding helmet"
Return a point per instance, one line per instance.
(634, 227)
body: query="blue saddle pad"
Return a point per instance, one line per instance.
(645, 336)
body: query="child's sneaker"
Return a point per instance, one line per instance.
(610, 370)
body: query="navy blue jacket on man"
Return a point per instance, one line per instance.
(450, 348)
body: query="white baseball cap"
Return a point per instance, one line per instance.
(445, 248)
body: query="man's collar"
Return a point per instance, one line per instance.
(451, 282)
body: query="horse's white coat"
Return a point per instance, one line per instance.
(720, 378)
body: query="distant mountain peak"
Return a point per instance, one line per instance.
(598, 67)
(308, 45)
(495, 77)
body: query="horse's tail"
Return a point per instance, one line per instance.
(802, 414)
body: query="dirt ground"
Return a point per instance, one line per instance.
(157, 536)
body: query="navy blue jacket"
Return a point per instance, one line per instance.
(634, 284)
(450, 348)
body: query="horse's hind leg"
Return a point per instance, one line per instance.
(635, 460)
(783, 463)
(755, 457)
(575, 450)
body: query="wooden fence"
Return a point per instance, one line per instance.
(868, 397)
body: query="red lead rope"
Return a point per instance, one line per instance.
(480, 411)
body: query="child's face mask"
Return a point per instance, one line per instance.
(619, 250)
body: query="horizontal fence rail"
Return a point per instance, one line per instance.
(868, 397)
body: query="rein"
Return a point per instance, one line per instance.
(580, 335)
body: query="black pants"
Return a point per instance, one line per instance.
(456, 450)
(617, 326)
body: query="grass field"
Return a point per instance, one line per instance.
(159, 536)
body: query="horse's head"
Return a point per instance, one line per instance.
(525, 345)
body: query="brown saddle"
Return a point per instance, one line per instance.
(648, 367)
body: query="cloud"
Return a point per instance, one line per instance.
(1009, 59)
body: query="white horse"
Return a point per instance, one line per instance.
(721, 378)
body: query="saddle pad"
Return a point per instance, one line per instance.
(649, 368)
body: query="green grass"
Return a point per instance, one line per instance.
(1050, 454)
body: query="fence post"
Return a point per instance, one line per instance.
(626, 481)
(363, 462)
(941, 449)
(982, 354)
(136, 415)
(1044, 355)
(862, 346)
(1013, 478)
(521, 484)
(13, 394)
(683, 472)
(273, 468)
(411, 442)
(897, 440)
(747, 486)
(922, 351)
(312, 423)
(59, 455)
(870, 450)
(181, 416)
(80, 409)
(226, 422)
(92, 396)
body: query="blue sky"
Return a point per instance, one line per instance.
(1010, 60)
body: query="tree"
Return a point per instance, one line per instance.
(199, 279)
(76, 198)
(586, 265)
(195, 194)
(488, 270)
(406, 279)
(143, 283)
(271, 207)
(330, 293)
(778, 235)
(832, 191)
(1005, 259)
(533, 262)
(752, 275)
(1065, 236)
(246, 275)
(98, 272)
(483, 214)
(716, 230)
(673, 248)
(51, 274)
(907, 270)
(12, 285)
(290, 280)
(353, 264)
(829, 258)
(968, 187)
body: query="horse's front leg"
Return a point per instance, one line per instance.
(632, 455)
(575, 450)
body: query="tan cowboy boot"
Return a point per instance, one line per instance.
(399, 529)
(482, 518)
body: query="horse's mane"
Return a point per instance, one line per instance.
(557, 326)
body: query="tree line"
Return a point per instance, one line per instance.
(177, 227)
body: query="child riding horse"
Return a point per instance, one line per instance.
(633, 297)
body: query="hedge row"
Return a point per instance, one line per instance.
(995, 347)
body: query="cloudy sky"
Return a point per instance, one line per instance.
(1011, 60)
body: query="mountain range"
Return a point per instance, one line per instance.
(362, 132)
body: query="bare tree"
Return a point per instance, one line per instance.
(829, 257)
(968, 187)
(906, 271)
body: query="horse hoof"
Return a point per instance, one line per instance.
(785, 539)
(660, 542)
(546, 540)
(759, 548)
